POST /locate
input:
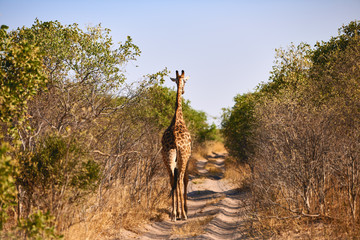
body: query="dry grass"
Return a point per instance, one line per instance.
(272, 220)
(199, 180)
(201, 152)
(213, 169)
(192, 227)
(267, 226)
(237, 174)
(192, 168)
(208, 148)
(214, 201)
(117, 213)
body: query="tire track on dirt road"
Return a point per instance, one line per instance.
(214, 205)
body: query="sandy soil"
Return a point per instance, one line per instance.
(212, 198)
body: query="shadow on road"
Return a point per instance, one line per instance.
(210, 196)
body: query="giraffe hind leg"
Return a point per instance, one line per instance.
(182, 182)
(181, 196)
(186, 180)
(174, 181)
(178, 200)
(175, 196)
(169, 158)
(174, 203)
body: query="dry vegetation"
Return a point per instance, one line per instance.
(237, 174)
(207, 148)
(192, 227)
(299, 135)
(214, 200)
(118, 212)
(80, 149)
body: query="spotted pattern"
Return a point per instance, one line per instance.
(176, 151)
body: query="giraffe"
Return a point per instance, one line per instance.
(176, 151)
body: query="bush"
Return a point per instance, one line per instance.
(38, 226)
(82, 127)
(237, 126)
(304, 140)
(7, 180)
(159, 106)
(59, 169)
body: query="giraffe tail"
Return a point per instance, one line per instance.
(173, 187)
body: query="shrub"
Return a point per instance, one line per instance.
(58, 172)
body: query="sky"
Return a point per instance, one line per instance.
(227, 47)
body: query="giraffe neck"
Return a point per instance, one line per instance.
(178, 117)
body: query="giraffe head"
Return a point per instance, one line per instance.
(180, 80)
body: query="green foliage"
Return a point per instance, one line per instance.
(87, 176)
(300, 132)
(59, 163)
(237, 126)
(73, 75)
(64, 96)
(7, 183)
(290, 74)
(335, 71)
(157, 78)
(289, 71)
(211, 133)
(159, 106)
(71, 55)
(21, 76)
(196, 122)
(39, 226)
(324, 50)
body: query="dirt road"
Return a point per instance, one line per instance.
(217, 210)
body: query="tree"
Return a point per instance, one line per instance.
(22, 76)
(83, 70)
(160, 106)
(336, 80)
(73, 75)
(237, 127)
(305, 134)
(84, 129)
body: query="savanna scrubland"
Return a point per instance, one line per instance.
(80, 145)
(299, 136)
(78, 142)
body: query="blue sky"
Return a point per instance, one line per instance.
(226, 47)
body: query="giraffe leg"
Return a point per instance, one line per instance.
(186, 180)
(173, 198)
(178, 199)
(175, 192)
(169, 158)
(181, 188)
(174, 203)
